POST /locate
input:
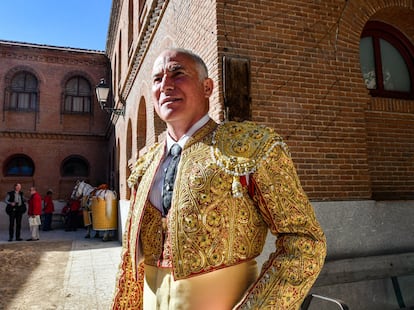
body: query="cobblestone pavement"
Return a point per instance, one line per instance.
(90, 271)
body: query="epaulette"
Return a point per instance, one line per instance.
(239, 147)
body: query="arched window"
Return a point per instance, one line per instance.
(75, 166)
(387, 61)
(24, 92)
(77, 96)
(18, 165)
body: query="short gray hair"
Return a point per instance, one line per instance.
(201, 65)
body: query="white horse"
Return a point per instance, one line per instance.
(85, 190)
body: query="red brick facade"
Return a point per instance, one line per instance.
(305, 81)
(291, 65)
(46, 135)
(294, 66)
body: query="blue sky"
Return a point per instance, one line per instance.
(67, 23)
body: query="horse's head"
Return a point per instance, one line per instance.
(81, 189)
(77, 190)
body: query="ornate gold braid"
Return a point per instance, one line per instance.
(129, 292)
(130, 278)
(243, 149)
(290, 272)
(238, 148)
(142, 165)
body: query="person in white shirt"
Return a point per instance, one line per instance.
(192, 243)
(15, 208)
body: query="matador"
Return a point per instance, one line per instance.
(235, 182)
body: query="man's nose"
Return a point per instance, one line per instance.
(167, 83)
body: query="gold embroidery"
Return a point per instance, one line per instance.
(141, 198)
(151, 235)
(129, 292)
(209, 229)
(142, 165)
(238, 148)
(301, 246)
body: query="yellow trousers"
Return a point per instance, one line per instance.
(217, 290)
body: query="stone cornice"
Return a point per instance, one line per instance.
(149, 28)
(31, 52)
(50, 135)
(113, 26)
(153, 19)
(50, 47)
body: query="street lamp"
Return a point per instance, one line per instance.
(102, 92)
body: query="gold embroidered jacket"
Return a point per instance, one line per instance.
(216, 222)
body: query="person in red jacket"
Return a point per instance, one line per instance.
(48, 209)
(73, 217)
(34, 212)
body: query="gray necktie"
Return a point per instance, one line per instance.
(175, 153)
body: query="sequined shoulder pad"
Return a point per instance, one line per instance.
(142, 164)
(238, 148)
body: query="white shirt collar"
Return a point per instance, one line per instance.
(183, 140)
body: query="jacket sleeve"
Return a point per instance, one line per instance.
(288, 274)
(129, 289)
(129, 292)
(7, 200)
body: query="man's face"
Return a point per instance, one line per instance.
(180, 98)
(18, 187)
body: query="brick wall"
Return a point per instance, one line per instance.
(307, 84)
(390, 143)
(47, 136)
(305, 81)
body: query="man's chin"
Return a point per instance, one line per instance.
(168, 110)
(166, 115)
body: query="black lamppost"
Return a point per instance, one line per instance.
(102, 92)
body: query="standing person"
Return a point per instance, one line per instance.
(48, 209)
(34, 212)
(195, 247)
(16, 207)
(73, 216)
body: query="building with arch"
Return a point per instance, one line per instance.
(52, 130)
(335, 78)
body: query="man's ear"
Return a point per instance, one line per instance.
(208, 87)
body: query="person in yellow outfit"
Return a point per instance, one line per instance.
(191, 242)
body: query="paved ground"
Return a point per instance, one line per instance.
(89, 275)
